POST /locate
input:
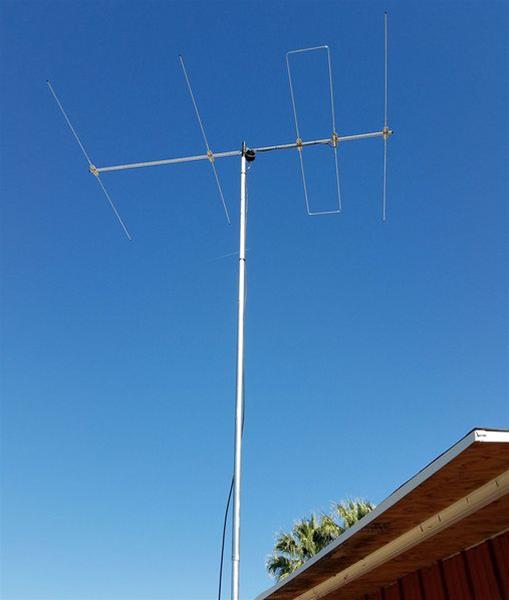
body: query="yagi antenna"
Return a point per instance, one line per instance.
(248, 155)
(91, 167)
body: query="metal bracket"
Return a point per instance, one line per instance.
(334, 140)
(298, 141)
(94, 170)
(386, 132)
(210, 156)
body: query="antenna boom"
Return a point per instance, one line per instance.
(230, 153)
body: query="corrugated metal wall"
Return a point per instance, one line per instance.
(480, 573)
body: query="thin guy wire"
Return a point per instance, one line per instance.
(222, 256)
(69, 122)
(114, 209)
(181, 59)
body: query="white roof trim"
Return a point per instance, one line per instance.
(476, 435)
(468, 505)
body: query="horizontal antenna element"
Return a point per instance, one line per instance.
(92, 169)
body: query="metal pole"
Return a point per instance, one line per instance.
(239, 401)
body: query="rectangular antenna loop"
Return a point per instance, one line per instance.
(334, 137)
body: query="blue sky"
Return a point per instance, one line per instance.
(370, 348)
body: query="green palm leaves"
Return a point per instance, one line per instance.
(352, 511)
(309, 535)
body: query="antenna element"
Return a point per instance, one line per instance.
(386, 131)
(92, 168)
(210, 154)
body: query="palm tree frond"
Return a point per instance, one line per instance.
(310, 534)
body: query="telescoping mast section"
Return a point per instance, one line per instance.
(248, 155)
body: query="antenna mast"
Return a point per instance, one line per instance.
(239, 400)
(248, 155)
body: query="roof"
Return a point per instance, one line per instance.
(456, 501)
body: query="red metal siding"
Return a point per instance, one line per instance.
(411, 587)
(456, 578)
(432, 583)
(500, 557)
(392, 592)
(480, 573)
